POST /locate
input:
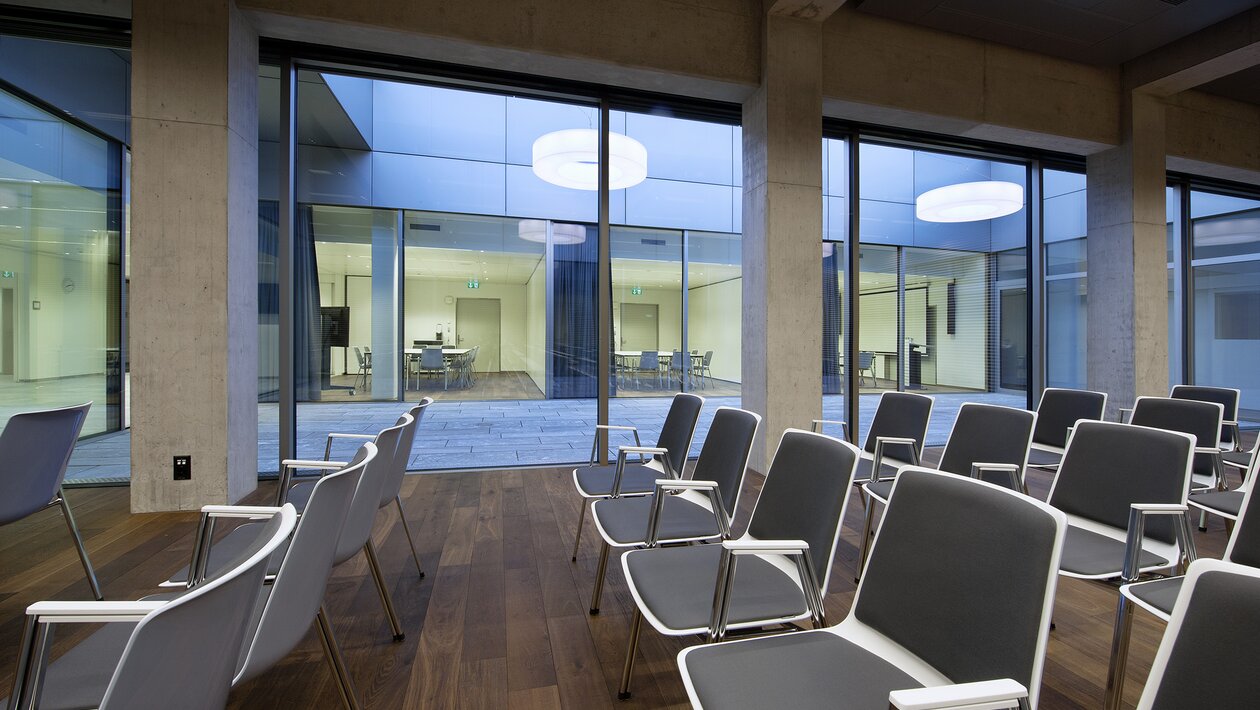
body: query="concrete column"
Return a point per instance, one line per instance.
(1128, 275)
(782, 241)
(194, 253)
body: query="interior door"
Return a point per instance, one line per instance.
(477, 324)
(6, 331)
(640, 326)
(1013, 347)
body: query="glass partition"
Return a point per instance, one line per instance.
(1064, 234)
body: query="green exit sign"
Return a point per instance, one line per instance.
(636, 291)
(6, 274)
(474, 283)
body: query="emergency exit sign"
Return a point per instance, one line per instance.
(474, 283)
(636, 291)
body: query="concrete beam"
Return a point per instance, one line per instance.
(1209, 54)
(813, 10)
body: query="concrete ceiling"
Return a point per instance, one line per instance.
(1100, 32)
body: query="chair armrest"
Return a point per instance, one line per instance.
(816, 426)
(205, 533)
(612, 427)
(1136, 529)
(339, 435)
(1004, 693)
(1010, 469)
(286, 474)
(625, 451)
(1126, 413)
(798, 550)
(881, 442)
(663, 485)
(91, 612)
(253, 512)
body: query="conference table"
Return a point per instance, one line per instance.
(664, 356)
(448, 354)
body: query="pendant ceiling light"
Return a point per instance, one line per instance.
(535, 230)
(570, 158)
(1226, 232)
(970, 201)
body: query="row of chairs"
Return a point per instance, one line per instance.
(1117, 509)
(649, 365)
(432, 361)
(242, 604)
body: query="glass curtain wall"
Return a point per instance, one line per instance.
(835, 180)
(61, 231)
(1064, 234)
(943, 305)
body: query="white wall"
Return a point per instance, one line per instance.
(669, 314)
(536, 327)
(962, 358)
(425, 307)
(713, 323)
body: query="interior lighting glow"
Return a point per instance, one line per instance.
(570, 158)
(970, 201)
(535, 230)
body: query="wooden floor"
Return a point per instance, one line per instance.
(501, 618)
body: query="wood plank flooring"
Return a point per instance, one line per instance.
(500, 620)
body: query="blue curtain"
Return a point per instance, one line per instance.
(268, 298)
(833, 380)
(308, 370)
(575, 289)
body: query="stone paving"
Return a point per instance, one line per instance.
(489, 434)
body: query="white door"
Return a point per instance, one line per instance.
(477, 325)
(640, 326)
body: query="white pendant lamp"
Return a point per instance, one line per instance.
(970, 201)
(535, 230)
(570, 158)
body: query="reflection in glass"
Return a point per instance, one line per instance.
(648, 354)
(1064, 230)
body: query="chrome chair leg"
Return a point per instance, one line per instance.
(78, 544)
(600, 572)
(866, 541)
(333, 653)
(1119, 655)
(623, 692)
(578, 538)
(410, 540)
(386, 601)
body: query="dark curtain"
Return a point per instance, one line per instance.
(308, 371)
(268, 298)
(833, 380)
(575, 338)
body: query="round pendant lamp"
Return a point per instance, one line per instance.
(570, 158)
(535, 230)
(970, 201)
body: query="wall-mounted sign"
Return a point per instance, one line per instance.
(636, 291)
(474, 283)
(6, 274)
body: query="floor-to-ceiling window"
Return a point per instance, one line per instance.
(1063, 235)
(61, 230)
(835, 180)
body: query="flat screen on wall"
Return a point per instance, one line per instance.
(335, 326)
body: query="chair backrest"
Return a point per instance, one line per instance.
(865, 360)
(942, 540)
(431, 358)
(1227, 397)
(1196, 417)
(358, 355)
(680, 361)
(708, 357)
(724, 456)
(1243, 546)
(393, 484)
(35, 450)
(1060, 409)
(184, 654)
(295, 597)
(805, 495)
(987, 433)
(357, 527)
(649, 360)
(679, 428)
(1207, 657)
(1109, 466)
(901, 414)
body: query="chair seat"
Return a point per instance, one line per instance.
(1044, 459)
(596, 481)
(623, 521)
(1223, 502)
(1091, 555)
(300, 493)
(676, 584)
(863, 472)
(229, 547)
(1240, 459)
(810, 669)
(1160, 594)
(879, 490)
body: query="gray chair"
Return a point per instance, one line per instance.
(391, 491)
(1227, 504)
(1058, 411)
(1208, 655)
(680, 369)
(1227, 397)
(649, 363)
(701, 508)
(158, 653)
(668, 459)
(35, 448)
(432, 362)
(987, 441)
(1199, 418)
(700, 367)
(365, 367)
(920, 618)
(776, 574)
(866, 363)
(1113, 476)
(1159, 596)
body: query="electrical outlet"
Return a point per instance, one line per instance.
(183, 468)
